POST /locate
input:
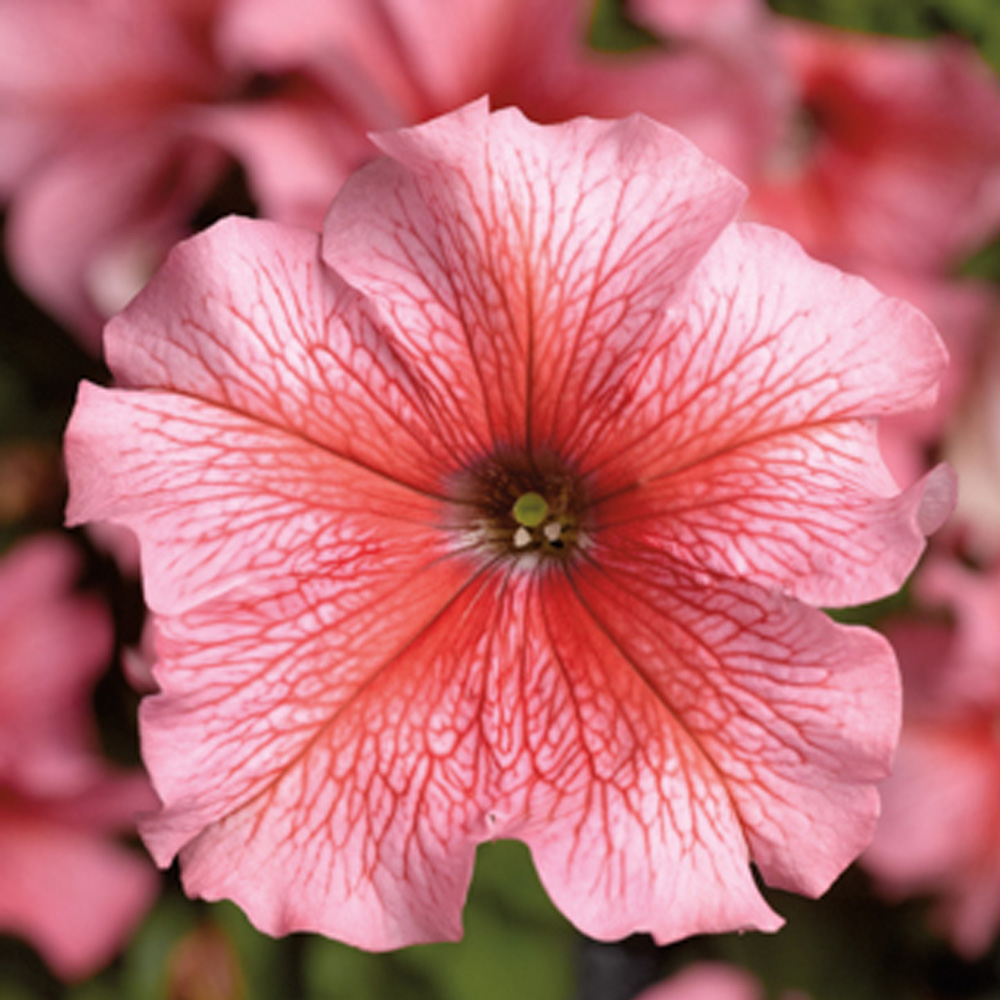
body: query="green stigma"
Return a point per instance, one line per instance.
(530, 509)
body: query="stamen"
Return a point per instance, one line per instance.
(522, 538)
(534, 508)
(552, 531)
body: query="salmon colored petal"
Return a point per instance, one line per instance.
(531, 264)
(466, 717)
(754, 427)
(254, 738)
(276, 504)
(797, 716)
(277, 337)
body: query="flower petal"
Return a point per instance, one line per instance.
(218, 499)
(332, 768)
(54, 646)
(525, 265)
(749, 446)
(797, 715)
(115, 195)
(275, 336)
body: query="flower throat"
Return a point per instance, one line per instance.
(522, 506)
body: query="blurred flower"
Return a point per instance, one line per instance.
(711, 981)
(403, 62)
(973, 446)
(501, 512)
(204, 966)
(31, 480)
(110, 119)
(940, 830)
(894, 160)
(116, 117)
(966, 314)
(707, 981)
(64, 883)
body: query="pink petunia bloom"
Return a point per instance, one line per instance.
(117, 118)
(940, 831)
(501, 511)
(894, 161)
(64, 883)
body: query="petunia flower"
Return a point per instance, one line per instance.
(502, 511)
(893, 160)
(940, 832)
(65, 883)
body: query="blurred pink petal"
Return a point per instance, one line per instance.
(116, 118)
(64, 883)
(284, 144)
(713, 981)
(116, 203)
(70, 890)
(55, 644)
(106, 153)
(895, 161)
(973, 445)
(938, 832)
(393, 62)
(966, 314)
(500, 512)
(707, 981)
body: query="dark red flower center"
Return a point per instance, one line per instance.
(518, 505)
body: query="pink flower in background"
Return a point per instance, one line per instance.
(966, 314)
(502, 511)
(973, 445)
(895, 159)
(707, 981)
(722, 89)
(65, 884)
(111, 118)
(116, 117)
(711, 981)
(940, 830)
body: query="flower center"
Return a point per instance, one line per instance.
(524, 506)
